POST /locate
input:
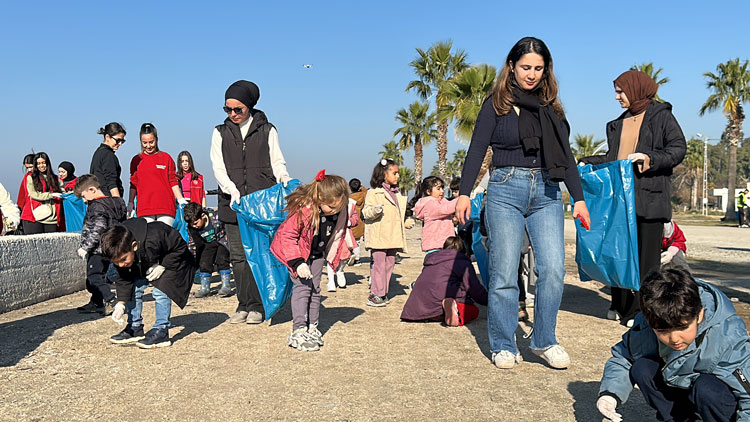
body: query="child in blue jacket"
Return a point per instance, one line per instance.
(688, 352)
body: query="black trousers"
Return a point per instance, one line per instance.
(210, 254)
(709, 397)
(742, 216)
(96, 281)
(650, 233)
(32, 227)
(247, 291)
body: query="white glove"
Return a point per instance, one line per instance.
(56, 195)
(666, 257)
(154, 272)
(303, 271)
(118, 313)
(82, 253)
(285, 180)
(182, 201)
(235, 194)
(606, 406)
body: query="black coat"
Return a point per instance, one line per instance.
(662, 140)
(106, 167)
(158, 244)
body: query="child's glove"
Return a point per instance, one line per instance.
(606, 406)
(82, 253)
(118, 313)
(182, 201)
(303, 271)
(154, 272)
(666, 257)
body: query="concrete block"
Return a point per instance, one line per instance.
(39, 267)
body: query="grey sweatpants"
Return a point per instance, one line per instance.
(306, 297)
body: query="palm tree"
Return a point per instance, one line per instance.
(464, 95)
(586, 146)
(392, 151)
(433, 67)
(453, 167)
(730, 88)
(418, 130)
(406, 181)
(648, 68)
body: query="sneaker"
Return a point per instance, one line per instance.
(523, 314)
(301, 341)
(613, 315)
(357, 263)
(331, 285)
(239, 316)
(89, 308)
(341, 280)
(450, 310)
(254, 317)
(108, 308)
(630, 323)
(156, 337)
(555, 356)
(505, 359)
(128, 335)
(375, 301)
(314, 335)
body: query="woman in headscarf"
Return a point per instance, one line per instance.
(648, 134)
(66, 170)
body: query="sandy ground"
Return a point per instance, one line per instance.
(56, 364)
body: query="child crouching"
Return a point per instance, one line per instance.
(446, 287)
(210, 241)
(312, 234)
(688, 351)
(146, 252)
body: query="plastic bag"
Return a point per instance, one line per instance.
(480, 252)
(259, 216)
(608, 252)
(179, 222)
(75, 211)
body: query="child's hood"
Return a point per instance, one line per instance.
(444, 255)
(717, 306)
(421, 207)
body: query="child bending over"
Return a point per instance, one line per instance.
(207, 234)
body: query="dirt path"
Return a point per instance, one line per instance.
(58, 365)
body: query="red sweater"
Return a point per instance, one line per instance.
(153, 177)
(677, 240)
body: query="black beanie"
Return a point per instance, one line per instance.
(70, 168)
(245, 92)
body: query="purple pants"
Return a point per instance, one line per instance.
(306, 297)
(383, 261)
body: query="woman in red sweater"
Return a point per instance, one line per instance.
(190, 180)
(153, 180)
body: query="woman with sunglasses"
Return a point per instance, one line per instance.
(42, 211)
(153, 180)
(104, 164)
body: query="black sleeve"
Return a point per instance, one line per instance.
(108, 169)
(124, 284)
(294, 263)
(173, 248)
(480, 141)
(594, 159)
(573, 180)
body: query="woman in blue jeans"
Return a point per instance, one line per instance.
(524, 124)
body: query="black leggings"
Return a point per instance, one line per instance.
(32, 227)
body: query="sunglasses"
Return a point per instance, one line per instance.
(119, 141)
(236, 110)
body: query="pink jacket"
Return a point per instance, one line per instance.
(294, 237)
(351, 241)
(437, 215)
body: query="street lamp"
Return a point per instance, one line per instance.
(730, 196)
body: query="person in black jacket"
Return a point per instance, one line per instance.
(104, 164)
(102, 212)
(648, 134)
(146, 252)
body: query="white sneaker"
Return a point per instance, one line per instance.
(341, 279)
(505, 359)
(331, 285)
(555, 356)
(613, 315)
(630, 323)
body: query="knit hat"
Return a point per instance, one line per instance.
(70, 168)
(245, 92)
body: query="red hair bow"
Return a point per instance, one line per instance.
(321, 175)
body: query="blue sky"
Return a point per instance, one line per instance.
(68, 69)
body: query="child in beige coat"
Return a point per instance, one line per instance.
(385, 234)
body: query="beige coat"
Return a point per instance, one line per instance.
(386, 230)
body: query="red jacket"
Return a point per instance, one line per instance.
(197, 192)
(294, 237)
(153, 177)
(22, 193)
(29, 204)
(677, 239)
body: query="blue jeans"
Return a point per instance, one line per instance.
(135, 308)
(517, 198)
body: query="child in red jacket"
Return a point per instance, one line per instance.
(673, 247)
(312, 234)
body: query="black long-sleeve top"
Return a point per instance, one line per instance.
(501, 133)
(106, 167)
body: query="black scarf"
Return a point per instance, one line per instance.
(540, 122)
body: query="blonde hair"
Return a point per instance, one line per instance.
(322, 191)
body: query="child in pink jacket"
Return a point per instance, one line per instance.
(436, 212)
(314, 232)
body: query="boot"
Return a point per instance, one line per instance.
(205, 285)
(226, 287)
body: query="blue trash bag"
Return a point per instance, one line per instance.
(480, 252)
(608, 252)
(75, 211)
(179, 222)
(259, 216)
